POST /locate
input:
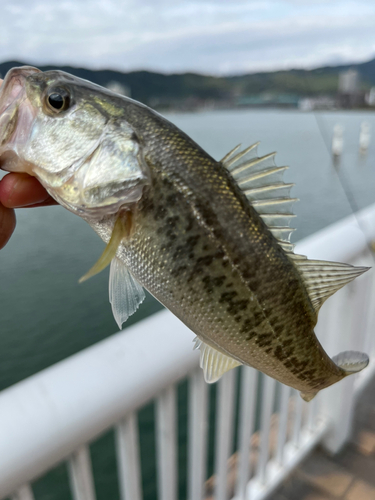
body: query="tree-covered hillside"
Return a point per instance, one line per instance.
(149, 87)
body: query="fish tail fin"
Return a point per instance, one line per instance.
(351, 361)
(308, 396)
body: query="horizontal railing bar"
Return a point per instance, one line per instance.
(44, 418)
(341, 241)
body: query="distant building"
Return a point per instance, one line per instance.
(319, 102)
(268, 100)
(349, 94)
(119, 88)
(349, 82)
(370, 97)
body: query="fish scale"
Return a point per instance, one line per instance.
(210, 240)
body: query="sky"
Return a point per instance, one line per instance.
(218, 37)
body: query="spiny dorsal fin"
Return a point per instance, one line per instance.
(262, 182)
(322, 279)
(213, 362)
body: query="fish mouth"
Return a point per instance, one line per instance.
(16, 117)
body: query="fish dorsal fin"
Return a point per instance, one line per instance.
(262, 182)
(125, 293)
(214, 363)
(322, 279)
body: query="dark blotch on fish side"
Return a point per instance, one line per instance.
(172, 221)
(205, 261)
(160, 213)
(279, 353)
(247, 325)
(172, 200)
(227, 296)
(170, 234)
(179, 270)
(211, 283)
(192, 241)
(190, 223)
(264, 339)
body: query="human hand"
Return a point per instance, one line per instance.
(17, 191)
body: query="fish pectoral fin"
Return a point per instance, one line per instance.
(351, 361)
(214, 363)
(121, 228)
(125, 293)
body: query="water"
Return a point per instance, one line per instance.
(46, 316)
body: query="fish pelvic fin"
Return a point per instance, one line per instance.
(121, 229)
(213, 362)
(351, 361)
(125, 293)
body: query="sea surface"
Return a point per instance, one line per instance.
(45, 315)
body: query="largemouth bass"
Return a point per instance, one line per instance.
(210, 240)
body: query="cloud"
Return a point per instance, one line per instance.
(208, 36)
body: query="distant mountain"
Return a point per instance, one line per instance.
(168, 89)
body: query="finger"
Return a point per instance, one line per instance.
(48, 202)
(7, 225)
(21, 190)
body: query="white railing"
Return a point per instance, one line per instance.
(53, 416)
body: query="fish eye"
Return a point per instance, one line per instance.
(58, 100)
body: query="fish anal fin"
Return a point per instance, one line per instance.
(351, 361)
(213, 362)
(307, 395)
(121, 229)
(322, 279)
(125, 293)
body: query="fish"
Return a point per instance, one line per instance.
(208, 239)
